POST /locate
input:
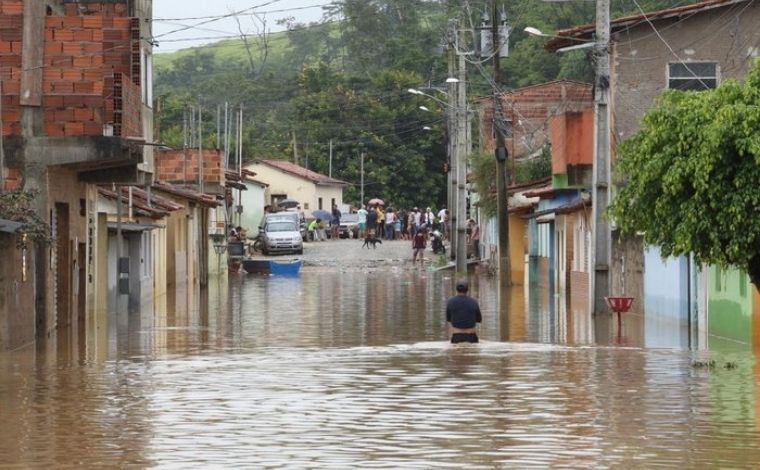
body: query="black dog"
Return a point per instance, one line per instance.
(373, 241)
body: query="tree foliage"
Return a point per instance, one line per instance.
(691, 176)
(345, 79)
(17, 206)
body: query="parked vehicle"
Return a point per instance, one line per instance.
(295, 217)
(281, 236)
(349, 226)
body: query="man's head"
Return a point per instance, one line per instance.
(462, 286)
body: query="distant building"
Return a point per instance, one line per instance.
(77, 112)
(286, 180)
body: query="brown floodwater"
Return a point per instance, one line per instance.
(349, 369)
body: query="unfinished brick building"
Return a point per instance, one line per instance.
(75, 78)
(527, 112)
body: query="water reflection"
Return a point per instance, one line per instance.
(347, 369)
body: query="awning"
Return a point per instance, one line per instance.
(112, 227)
(545, 219)
(8, 226)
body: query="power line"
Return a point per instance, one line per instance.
(222, 16)
(217, 18)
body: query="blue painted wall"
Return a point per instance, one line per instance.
(666, 300)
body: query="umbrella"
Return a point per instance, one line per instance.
(376, 202)
(322, 215)
(288, 203)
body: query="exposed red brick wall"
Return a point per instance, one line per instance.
(127, 104)
(12, 7)
(83, 51)
(178, 166)
(109, 9)
(529, 111)
(11, 24)
(12, 179)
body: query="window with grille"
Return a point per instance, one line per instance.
(692, 75)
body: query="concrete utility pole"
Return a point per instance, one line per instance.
(505, 268)
(200, 148)
(295, 149)
(600, 283)
(239, 208)
(462, 147)
(452, 148)
(331, 155)
(362, 177)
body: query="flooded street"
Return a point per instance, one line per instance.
(346, 367)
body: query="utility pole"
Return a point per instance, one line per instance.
(226, 136)
(331, 155)
(218, 126)
(462, 123)
(453, 146)
(200, 148)
(362, 177)
(600, 284)
(239, 207)
(505, 268)
(295, 149)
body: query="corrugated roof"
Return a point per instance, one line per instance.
(547, 191)
(203, 199)
(584, 31)
(519, 208)
(574, 206)
(301, 172)
(138, 206)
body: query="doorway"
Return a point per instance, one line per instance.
(62, 265)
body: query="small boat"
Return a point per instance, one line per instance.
(285, 267)
(256, 266)
(267, 266)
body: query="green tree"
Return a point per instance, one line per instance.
(691, 176)
(18, 206)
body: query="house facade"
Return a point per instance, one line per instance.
(690, 47)
(77, 110)
(286, 180)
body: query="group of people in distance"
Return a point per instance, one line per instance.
(400, 224)
(317, 227)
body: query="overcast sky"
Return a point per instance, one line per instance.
(172, 15)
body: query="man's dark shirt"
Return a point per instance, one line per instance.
(371, 219)
(463, 312)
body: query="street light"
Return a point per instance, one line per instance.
(600, 285)
(424, 108)
(457, 123)
(584, 43)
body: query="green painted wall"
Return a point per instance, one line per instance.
(559, 181)
(729, 309)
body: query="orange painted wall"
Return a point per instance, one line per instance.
(572, 139)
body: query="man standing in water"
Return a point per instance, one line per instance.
(463, 315)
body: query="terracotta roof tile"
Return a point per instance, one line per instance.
(584, 31)
(302, 172)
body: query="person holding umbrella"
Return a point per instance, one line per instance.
(322, 216)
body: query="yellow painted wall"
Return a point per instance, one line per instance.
(65, 187)
(518, 230)
(301, 190)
